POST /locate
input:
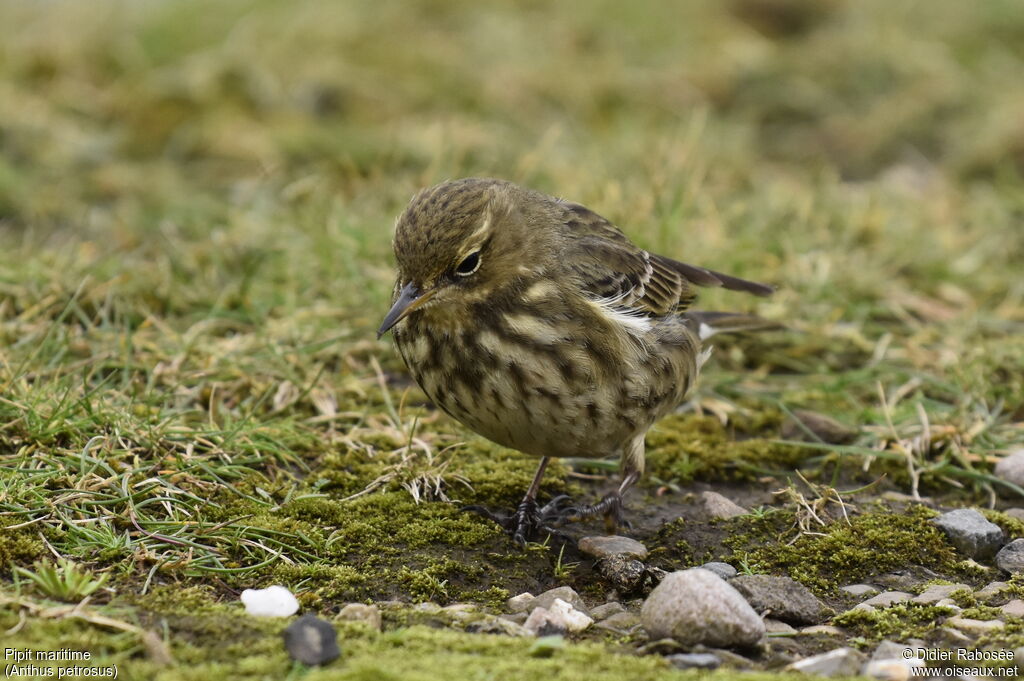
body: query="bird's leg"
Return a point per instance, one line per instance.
(527, 521)
(610, 506)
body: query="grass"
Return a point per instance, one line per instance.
(195, 213)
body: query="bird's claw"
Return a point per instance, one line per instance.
(528, 522)
(610, 507)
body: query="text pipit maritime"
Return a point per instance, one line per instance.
(535, 322)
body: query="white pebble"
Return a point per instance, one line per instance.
(274, 601)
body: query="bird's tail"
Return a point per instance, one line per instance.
(707, 324)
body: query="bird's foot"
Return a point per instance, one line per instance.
(528, 522)
(610, 507)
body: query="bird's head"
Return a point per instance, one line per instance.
(461, 242)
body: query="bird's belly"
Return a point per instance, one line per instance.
(564, 402)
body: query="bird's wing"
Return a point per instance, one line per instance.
(611, 268)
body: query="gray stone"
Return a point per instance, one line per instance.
(311, 640)
(972, 626)
(697, 606)
(838, 662)
(627, 575)
(1015, 513)
(1011, 468)
(890, 650)
(822, 630)
(774, 626)
(606, 610)
(566, 593)
(938, 592)
(891, 669)
(490, 624)
(1011, 557)
(605, 546)
(990, 591)
(361, 612)
(723, 570)
(781, 597)
(717, 506)
(560, 617)
(520, 603)
(1014, 608)
(620, 623)
(859, 589)
(694, 661)
(971, 532)
(887, 598)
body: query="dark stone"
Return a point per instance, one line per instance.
(311, 640)
(784, 598)
(626, 574)
(694, 661)
(971, 532)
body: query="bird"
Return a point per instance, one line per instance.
(538, 324)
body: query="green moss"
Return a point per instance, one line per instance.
(685, 447)
(872, 544)
(900, 621)
(19, 546)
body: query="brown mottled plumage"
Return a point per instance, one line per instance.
(538, 324)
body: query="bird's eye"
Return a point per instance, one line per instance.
(469, 264)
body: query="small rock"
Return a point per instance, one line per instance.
(1014, 608)
(620, 623)
(311, 640)
(561, 617)
(1011, 557)
(1015, 513)
(774, 626)
(821, 427)
(838, 662)
(565, 593)
(697, 606)
(361, 612)
(863, 606)
(859, 589)
(694, 661)
(905, 580)
(606, 610)
(822, 630)
(520, 603)
(937, 592)
(784, 598)
(717, 506)
(274, 601)
(949, 603)
(490, 624)
(427, 607)
(990, 591)
(892, 669)
(972, 626)
(1011, 468)
(948, 637)
(887, 598)
(890, 650)
(627, 575)
(516, 617)
(606, 546)
(971, 532)
(723, 570)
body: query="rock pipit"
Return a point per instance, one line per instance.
(535, 322)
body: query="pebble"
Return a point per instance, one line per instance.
(1015, 513)
(606, 610)
(990, 591)
(822, 630)
(627, 575)
(783, 598)
(938, 592)
(311, 641)
(887, 598)
(361, 612)
(694, 661)
(821, 427)
(697, 606)
(560, 617)
(520, 603)
(717, 506)
(723, 570)
(620, 623)
(612, 545)
(490, 624)
(774, 626)
(274, 601)
(1011, 557)
(427, 607)
(890, 650)
(971, 532)
(972, 626)
(1014, 608)
(838, 662)
(859, 589)
(1011, 467)
(547, 599)
(892, 669)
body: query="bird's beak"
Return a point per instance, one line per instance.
(409, 298)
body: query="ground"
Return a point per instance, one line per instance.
(195, 212)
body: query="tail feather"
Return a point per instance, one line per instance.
(707, 324)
